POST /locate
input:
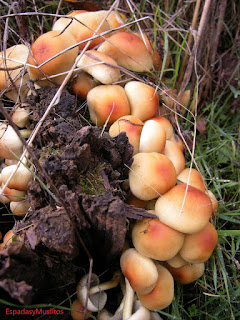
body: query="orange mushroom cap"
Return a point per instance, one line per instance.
(128, 50)
(140, 271)
(107, 103)
(199, 246)
(156, 240)
(162, 294)
(143, 99)
(151, 174)
(185, 209)
(47, 46)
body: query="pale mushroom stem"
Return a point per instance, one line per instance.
(128, 301)
(106, 285)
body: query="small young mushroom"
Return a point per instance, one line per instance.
(100, 66)
(19, 208)
(151, 175)
(199, 246)
(177, 261)
(107, 103)
(153, 137)
(162, 294)
(13, 77)
(82, 83)
(11, 146)
(20, 179)
(166, 124)
(133, 128)
(140, 271)
(128, 50)
(96, 301)
(184, 208)
(213, 200)
(156, 240)
(187, 273)
(21, 116)
(143, 99)
(14, 194)
(192, 177)
(175, 154)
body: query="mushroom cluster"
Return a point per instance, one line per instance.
(103, 57)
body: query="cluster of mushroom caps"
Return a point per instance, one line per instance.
(175, 244)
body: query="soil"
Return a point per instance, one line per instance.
(79, 211)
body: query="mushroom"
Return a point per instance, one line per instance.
(21, 116)
(178, 140)
(84, 26)
(175, 154)
(53, 46)
(19, 208)
(143, 99)
(128, 50)
(166, 124)
(82, 83)
(96, 301)
(199, 246)
(177, 261)
(77, 311)
(13, 77)
(213, 200)
(100, 66)
(114, 18)
(133, 128)
(184, 208)
(140, 271)
(106, 104)
(151, 175)
(187, 273)
(153, 137)
(156, 240)
(191, 177)
(20, 179)
(157, 56)
(162, 294)
(13, 194)
(11, 146)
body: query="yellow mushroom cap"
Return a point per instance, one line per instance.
(133, 128)
(14, 60)
(185, 209)
(156, 240)
(128, 50)
(47, 46)
(140, 271)
(192, 177)
(153, 137)
(175, 154)
(84, 26)
(100, 66)
(162, 294)
(199, 246)
(143, 99)
(10, 144)
(187, 273)
(107, 103)
(166, 124)
(151, 174)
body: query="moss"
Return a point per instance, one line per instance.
(92, 182)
